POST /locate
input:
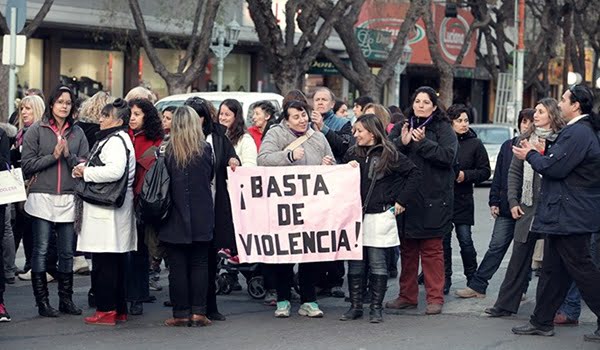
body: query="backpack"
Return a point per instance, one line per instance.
(155, 199)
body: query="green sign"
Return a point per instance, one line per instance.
(374, 44)
(322, 67)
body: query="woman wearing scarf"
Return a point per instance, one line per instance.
(274, 151)
(523, 190)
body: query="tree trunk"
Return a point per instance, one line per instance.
(369, 87)
(288, 79)
(444, 68)
(3, 87)
(176, 86)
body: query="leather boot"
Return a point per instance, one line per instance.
(378, 288)
(65, 293)
(355, 288)
(108, 318)
(40, 291)
(469, 259)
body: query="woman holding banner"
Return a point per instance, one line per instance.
(388, 181)
(427, 138)
(293, 142)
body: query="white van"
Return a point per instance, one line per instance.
(247, 99)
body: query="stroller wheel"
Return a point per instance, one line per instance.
(225, 284)
(256, 287)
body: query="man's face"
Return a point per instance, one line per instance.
(567, 109)
(357, 110)
(322, 101)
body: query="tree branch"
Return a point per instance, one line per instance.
(208, 21)
(194, 39)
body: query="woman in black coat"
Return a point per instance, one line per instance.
(428, 140)
(189, 228)
(473, 167)
(224, 156)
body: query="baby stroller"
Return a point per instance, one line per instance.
(251, 272)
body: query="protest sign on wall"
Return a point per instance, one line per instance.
(296, 214)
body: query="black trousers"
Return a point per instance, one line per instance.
(566, 258)
(137, 264)
(109, 282)
(2, 277)
(22, 232)
(518, 274)
(331, 274)
(188, 278)
(284, 278)
(211, 296)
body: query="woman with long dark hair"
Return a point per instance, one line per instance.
(394, 180)
(224, 156)
(428, 140)
(231, 116)
(51, 148)
(146, 132)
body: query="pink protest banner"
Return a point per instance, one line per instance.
(296, 214)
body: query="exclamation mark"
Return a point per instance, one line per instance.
(242, 201)
(357, 233)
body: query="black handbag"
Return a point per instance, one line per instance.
(155, 199)
(108, 194)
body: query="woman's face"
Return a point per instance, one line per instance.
(461, 124)
(166, 120)
(260, 118)
(26, 114)
(369, 110)
(363, 136)
(342, 111)
(297, 119)
(62, 106)
(541, 118)
(108, 121)
(525, 124)
(423, 106)
(226, 116)
(137, 118)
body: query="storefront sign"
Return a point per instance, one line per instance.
(374, 44)
(296, 214)
(322, 67)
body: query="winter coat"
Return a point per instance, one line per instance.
(397, 186)
(4, 150)
(570, 195)
(246, 150)
(429, 213)
(224, 234)
(145, 150)
(256, 134)
(273, 153)
(474, 162)
(515, 188)
(498, 190)
(110, 229)
(338, 132)
(47, 174)
(89, 129)
(191, 218)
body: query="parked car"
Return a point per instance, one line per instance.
(247, 99)
(493, 136)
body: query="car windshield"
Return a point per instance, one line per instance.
(492, 135)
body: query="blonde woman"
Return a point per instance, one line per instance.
(187, 236)
(90, 113)
(382, 113)
(31, 111)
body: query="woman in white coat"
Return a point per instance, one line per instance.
(109, 232)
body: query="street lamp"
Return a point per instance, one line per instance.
(224, 39)
(399, 68)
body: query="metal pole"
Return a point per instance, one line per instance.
(221, 63)
(13, 57)
(520, 58)
(397, 89)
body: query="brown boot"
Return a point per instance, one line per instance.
(200, 321)
(399, 304)
(177, 322)
(433, 309)
(468, 293)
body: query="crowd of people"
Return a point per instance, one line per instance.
(417, 173)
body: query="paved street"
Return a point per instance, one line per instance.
(250, 325)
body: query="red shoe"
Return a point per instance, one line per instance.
(103, 318)
(121, 318)
(562, 320)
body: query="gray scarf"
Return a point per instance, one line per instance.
(528, 173)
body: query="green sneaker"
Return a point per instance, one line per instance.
(310, 310)
(283, 309)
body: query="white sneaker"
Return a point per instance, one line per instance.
(283, 309)
(310, 310)
(80, 265)
(25, 276)
(49, 278)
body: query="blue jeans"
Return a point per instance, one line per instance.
(571, 307)
(377, 262)
(467, 251)
(502, 236)
(42, 231)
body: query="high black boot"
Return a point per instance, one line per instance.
(447, 263)
(469, 259)
(378, 288)
(65, 293)
(40, 291)
(355, 288)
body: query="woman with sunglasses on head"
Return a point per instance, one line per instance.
(52, 147)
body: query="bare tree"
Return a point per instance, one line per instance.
(28, 30)
(359, 74)
(196, 53)
(288, 59)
